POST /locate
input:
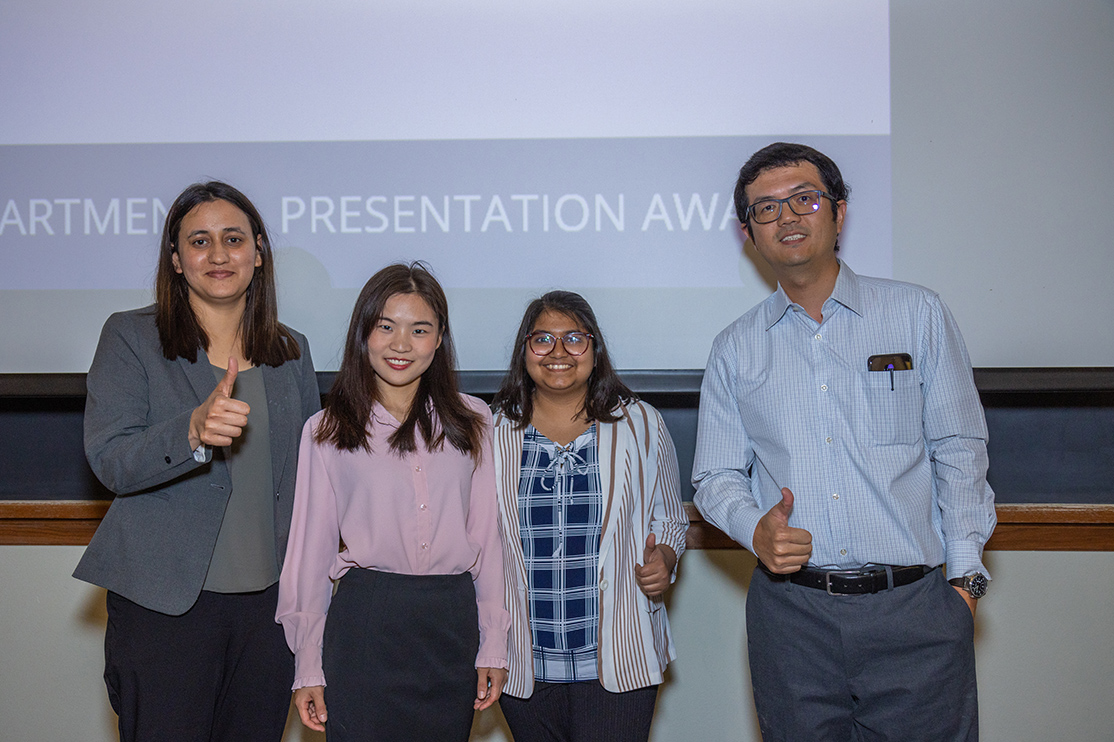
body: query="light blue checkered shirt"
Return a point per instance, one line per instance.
(880, 474)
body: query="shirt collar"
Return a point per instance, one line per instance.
(845, 292)
(380, 416)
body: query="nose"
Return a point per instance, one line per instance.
(218, 254)
(400, 341)
(787, 215)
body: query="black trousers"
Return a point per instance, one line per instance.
(400, 657)
(895, 665)
(580, 712)
(221, 672)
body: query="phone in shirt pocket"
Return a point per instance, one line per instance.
(895, 400)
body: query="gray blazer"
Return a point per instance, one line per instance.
(154, 544)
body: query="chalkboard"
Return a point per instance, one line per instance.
(1051, 431)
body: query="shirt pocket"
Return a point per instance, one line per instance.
(894, 402)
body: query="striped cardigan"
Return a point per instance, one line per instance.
(641, 489)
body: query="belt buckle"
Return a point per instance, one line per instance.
(840, 573)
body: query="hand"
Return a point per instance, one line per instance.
(220, 418)
(971, 602)
(489, 686)
(652, 575)
(310, 702)
(781, 548)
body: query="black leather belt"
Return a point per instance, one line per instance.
(854, 582)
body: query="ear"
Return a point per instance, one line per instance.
(440, 337)
(746, 233)
(258, 250)
(841, 211)
(176, 262)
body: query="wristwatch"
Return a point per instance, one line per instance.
(975, 584)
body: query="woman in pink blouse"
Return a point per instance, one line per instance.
(395, 502)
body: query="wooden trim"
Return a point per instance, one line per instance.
(1020, 527)
(50, 522)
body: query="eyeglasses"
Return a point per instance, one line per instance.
(542, 343)
(802, 203)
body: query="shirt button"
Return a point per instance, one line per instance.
(828, 439)
(417, 468)
(835, 495)
(603, 584)
(422, 506)
(843, 552)
(823, 387)
(425, 546)
(817, 336)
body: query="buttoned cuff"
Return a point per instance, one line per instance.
(965, 558)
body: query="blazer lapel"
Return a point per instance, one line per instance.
(607, 439)
(200, 375)
(508, 441)
(283, 421)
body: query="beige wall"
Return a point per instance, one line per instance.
(1045, 646)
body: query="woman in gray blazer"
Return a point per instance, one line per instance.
(194, 411)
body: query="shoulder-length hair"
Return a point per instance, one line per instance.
(265, 339)
(355, 389)
(606, 391)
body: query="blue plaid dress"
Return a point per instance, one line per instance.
(560, 516)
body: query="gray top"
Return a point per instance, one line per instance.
(244, 558)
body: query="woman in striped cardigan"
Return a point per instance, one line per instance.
(592, 523)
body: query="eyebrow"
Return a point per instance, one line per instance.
(385, 318)
(806, 186)
(223, 231)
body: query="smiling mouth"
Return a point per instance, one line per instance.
(791, 239)
(398, 363)
(558, 366)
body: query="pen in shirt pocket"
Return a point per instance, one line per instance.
(890, 362)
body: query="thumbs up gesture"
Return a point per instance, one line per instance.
(219, 418)
(782, 548)
(652, 575)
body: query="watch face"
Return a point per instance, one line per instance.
(976, 585)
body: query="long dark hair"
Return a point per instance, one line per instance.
(606, 391)
(265, 340)
(355, 389)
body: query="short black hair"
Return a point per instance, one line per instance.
(783, 154)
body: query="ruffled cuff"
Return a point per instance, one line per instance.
(307, 668)
(491, 662)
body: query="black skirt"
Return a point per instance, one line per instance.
(399, 657)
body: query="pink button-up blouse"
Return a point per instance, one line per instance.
(423, 513)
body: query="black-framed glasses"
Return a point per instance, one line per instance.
(542, 343)
(802, 203)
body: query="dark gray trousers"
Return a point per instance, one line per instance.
(898, 665)
(221, 672)
(580, 712)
